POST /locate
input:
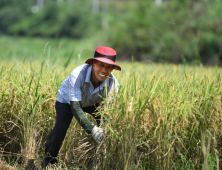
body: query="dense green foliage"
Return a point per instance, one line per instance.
(177, 31)
(171, 32)
(59, 20)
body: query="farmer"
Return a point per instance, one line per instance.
(81, 92)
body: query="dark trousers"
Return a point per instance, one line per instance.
(63, 119)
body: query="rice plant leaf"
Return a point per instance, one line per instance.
(106, 118)
(114, 133)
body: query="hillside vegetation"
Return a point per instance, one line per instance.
(174, 32)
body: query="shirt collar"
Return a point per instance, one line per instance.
(88, 75)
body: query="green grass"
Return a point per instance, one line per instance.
(165, 117)
(38, 49)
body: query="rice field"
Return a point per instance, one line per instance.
(164, 117)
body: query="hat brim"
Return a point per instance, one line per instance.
(104, 60)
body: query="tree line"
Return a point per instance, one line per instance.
(176, 31)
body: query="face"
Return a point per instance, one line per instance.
(101, 71)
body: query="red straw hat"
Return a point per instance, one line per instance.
(106, 55)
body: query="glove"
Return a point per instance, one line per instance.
(98, 134)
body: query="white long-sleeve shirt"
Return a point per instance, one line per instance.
(78, 87)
